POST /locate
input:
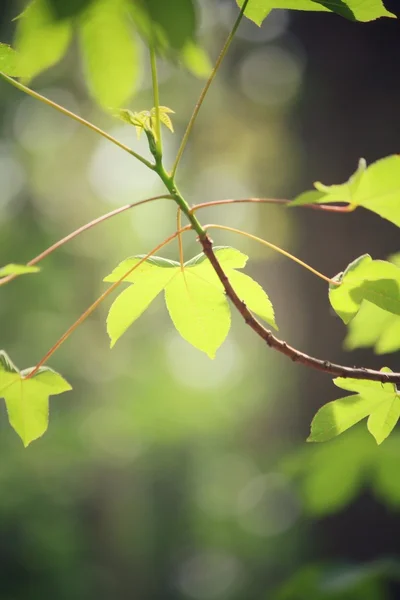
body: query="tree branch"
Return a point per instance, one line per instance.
(282, 346)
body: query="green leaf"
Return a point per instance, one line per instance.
(355, 10)
(170, 25)
(230, 257)
(199, 311)
(40, 40)
(110, 52)
(145, 119)
(333, 193)
(373, 326)
(64, 10)
(376, 188)
(196, 59)
(9, 60)
(194, 296)
(27, 400)
(134, 300)
(377, 281)
(380, 402)
(13, 269)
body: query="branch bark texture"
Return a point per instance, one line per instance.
(280, 345)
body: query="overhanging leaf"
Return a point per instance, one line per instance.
(169, 25)
(9, 60)
(27, 400)
(194, 296)
(109, 52)
(64, 10)
(377, 281)
(355, 10)
(40, 40)
(13, 269)
(380, 402)
(196, 59)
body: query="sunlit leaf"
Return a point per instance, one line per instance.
(199, 311)
(194, 296)
(378, 401)
(13, 269)
(373, 326)
(376, 188)
(27, 400)
(9, 60)
(110, 52)
(40, 40)
(196, 59)
(377, 281)
(145, 119)
(355, 10)
(134, 300)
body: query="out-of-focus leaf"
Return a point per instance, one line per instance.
(196, 59)
(13, 269)
(169, 24)
(65, 9)
(194, 296)
(336, 472)
(27, 400)
(9, 60)
(378, 401)
(377, 281)
(338, 582)
(110, 52)
(355, 10)
(330, 476)
(373, 326)
(40, 40)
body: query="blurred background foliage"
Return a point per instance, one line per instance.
(164, 474)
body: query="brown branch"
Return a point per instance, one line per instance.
(283, 347)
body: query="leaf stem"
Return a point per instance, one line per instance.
(324, 207)
(276, 248)
(75, 117)
(100, 299)
(82, 229)
(178, 227)
(156, 97)
(206, 88)
(171, 186)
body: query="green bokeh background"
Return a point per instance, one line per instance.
(164, 474)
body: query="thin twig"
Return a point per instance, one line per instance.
(280, 345)
(276, 249)
(324, 207)
(99, 300)
(82, 229)
(206, 88)
(72, 115)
